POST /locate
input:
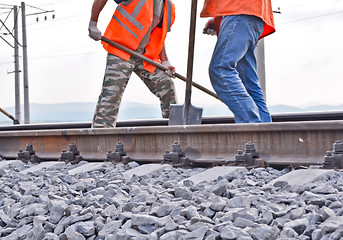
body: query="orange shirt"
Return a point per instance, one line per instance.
(259, 8)
(130, 24)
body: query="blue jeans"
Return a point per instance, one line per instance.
(233, 68)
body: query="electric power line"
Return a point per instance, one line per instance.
(313, 17)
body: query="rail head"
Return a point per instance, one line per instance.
(335, 125)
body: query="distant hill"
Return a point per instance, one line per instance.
(80, 112)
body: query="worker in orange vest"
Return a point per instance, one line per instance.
(142, 26)
(239, 24)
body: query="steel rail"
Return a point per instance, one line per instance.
(284, 117)
(288, 143)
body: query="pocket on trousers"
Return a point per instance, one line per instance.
(256, 23)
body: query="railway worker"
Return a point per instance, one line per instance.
(233, 69)
(142, 26)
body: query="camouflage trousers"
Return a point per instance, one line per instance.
(117, 75)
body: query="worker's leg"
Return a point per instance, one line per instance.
(236, 35)
(161, 85)
(247, 69)
(117, 74)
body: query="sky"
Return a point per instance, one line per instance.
(303, 57)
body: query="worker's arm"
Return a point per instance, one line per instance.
(165, 61)
(97, 7)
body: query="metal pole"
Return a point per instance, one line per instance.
(16, 66)
(261, 67)
(190, 62)
(26, 82)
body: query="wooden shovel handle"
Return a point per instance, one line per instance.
(156, 64)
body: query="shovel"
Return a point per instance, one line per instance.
(15, 121)
(158, 65)
(187, 114)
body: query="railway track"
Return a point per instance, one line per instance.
(297, 140)
(97, 200)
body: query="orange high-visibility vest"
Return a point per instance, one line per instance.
(259, 8)
(130, 24)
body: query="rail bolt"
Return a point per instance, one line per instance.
(240, 157)
(29, 155)
(120, 149)
(72, 156)
(176, 156)
(117, 155)
(338, 147)
(176, 147)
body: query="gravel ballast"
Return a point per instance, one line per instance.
(51, 204)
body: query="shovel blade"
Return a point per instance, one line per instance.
(177, 115)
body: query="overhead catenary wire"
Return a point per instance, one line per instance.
(10, 32)
(312, 17)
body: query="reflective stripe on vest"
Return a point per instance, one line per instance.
(169, 15)
(131, 17)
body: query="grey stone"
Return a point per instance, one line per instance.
(227, 234)
(4, 217)
(220, 188)
(36, 233)
(87, 229)
(209, 212)
(72, 233)
(146, 229)
(250, 214)
(239, 202)
(338, 233)
(33, 210)
(143, 219)
(327, 189)
(173, 235)
(168, 223)
(316, 234)
(110, 211)
(193, 226)
(217, 204)
(39, 220)
(298, 225)
(335, 205)
(51, 236)
(327, 213)
(297, 213)
(313, 218)
(309, 230)
(264, 232)
(190, 212)
(242, 222)
(22, 231)
(183, 192)
(111, 227)
(12, 236)
(211, 234)
(198, 233)
(133, 165)
(288, 233)
(331, 224)
(311, 198)
(56, 213)
(165, 209)
(267, 216)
